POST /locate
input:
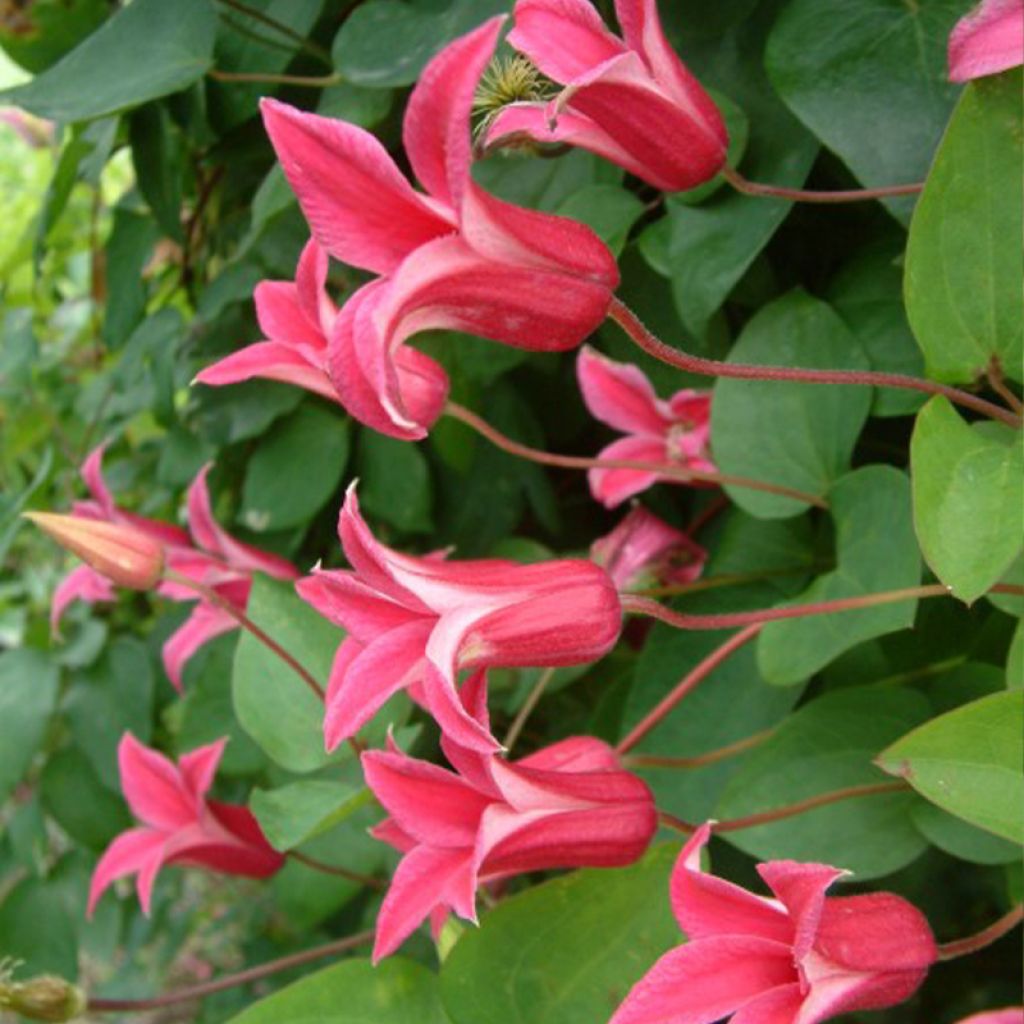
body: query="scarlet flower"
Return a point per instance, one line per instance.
(454, 257)
(631, 101)
(988, 40)
(296, 318)
(414, 623)
(1011, 1015)
(180, 824)
(800, 958)
(644, 551)
(568, 805)
(675, 432)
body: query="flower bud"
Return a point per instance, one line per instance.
(46, 998)
(123, 554)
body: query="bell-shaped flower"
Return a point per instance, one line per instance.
(630, 100)
(799, 958)
(414, 622)
(645, 551)
(1011, 1015)
(674, 433)
(568, 805)
(452, 257)
(988, 40)
(180, 824)
(296, 318)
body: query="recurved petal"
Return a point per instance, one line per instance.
(81, 584)
(834, 991)
(575, 754)
(527, 788)
(777, 1006)
(205, 622)
(471, 764)
(801, 889)
(130, 853)
(620, 395)
(340, 596)
(270, 360)
(282, 316)
(311, 286)
(92, 475)
(988, 40)
(612, 487)
(154, 787)
(198, 767)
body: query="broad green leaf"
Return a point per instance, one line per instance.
(297, 812)
(565, 952)
(969, 762)
(39, 35)
(245, 410)
(797, 435)
(869, 79)
(394, 482)
(396, 991)
(964, 263)
(968, 499)
(955, 837)
(273, 704)
(146, 50)
(128, 250)
(542, 184)
(74, 796)
(158, 157)
(36, 927)
(1012, 604)
(609, 209)
(28, 693)
(295, 469)
(875, 552)
(825, 746)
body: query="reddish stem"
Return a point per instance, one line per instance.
(331, 869)
(799, 195)
(273, 78)
(655, 347)
(995, 931)
(699, 760)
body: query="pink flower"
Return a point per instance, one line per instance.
(1011, 1015)
(800, 958)
(988, 40)
(414, 623)
(644, 551)
(674, 432)
(454, 257)
(568, 805)
(297, 319)
(180, 825)
(631, 101)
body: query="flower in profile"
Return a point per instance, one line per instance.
(631, 100)
(452, 257)
(644, 551)
(414, 622)
(675, 433)
(988, 40)
(568, 805)
(800, 958)
(180, 824)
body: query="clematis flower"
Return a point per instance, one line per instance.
(1011, 1015)
(568, 805)
(675, 432)
(451, 257)
(296, 317)
(414, 623)
(630, 100)
(644, 551)
(988, 40)
(180, 825)
(799, 958)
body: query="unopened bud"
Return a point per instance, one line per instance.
(124, 554)
(47, 998)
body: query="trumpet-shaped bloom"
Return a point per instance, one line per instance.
(988, 40)
(1011, 1015)
(675, 432)
(568, 805)
(414, 623)
(644, 551)
(180, 824)
(799, 958)
(296, 318)
(451, 257)
(630, 100)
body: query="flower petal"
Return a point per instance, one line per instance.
(575, 754)
(81, 584)
(471, 764)
(130, 853)
(801, 888)
(269, 360)
(834, 991)
(283, 318)
(154, 787)
(620, 395)
(92, 474)
(311, 286)
(988, 40)
(205, 623)
(777, 1006)
(612, 487)
(199, 766)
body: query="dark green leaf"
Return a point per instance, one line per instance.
(955, 837)
(28, 692)
(73, 794)
(36, 927)
(609, 209)
(128, 250)
(394, 482)
(297, 812)
(158, 156)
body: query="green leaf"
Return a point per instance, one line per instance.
(797, 435)
(968, 499)
(825, 746)
(273, 704)
(396, 991)
(28, 693)
(146, 50)
(297, 812)
(284, 489)
(1012, 604)
(36, 927)
(968, 762)
(964, 263)
(955, 837)
(565, 952)
(394, 482)
(609, 209)
(158, 156)
(128, 250)
(875, 552)
(870, 81)
(39, 35)
(73, 794)
(1015, 660)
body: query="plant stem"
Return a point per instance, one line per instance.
(689, 682)
(667, 471)
(331, 869)
(527, 709)
(727, 579)
(973, 943)
(698, 760)
(273, 78)
(185, 995)
(997, 380)
(645, 606)
(278, 26)
(655, 347)
(799, 195)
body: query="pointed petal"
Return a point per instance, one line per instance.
(251, 856)
(436, 130)
(442, 700)
(282, 317)
(801, 889)
(199, 766)
(620, 395)
(471, 764)
(269, 360)
(81, 584)
(988, 40)
(703, 981)
(575, 754)
(311, 285)
(92, 475)
(359, 206)
(612, 487)
(205, 623)
(154, 787)
(777, 1006)
(129, 853)
(527, 788)
(836, 992)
